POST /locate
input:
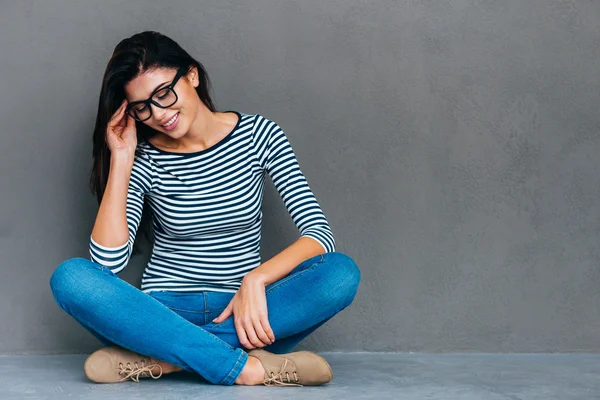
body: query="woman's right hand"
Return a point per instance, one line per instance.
(121, 133)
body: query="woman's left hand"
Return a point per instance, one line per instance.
(249, 309)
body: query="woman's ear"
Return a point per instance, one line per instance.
(192, 76)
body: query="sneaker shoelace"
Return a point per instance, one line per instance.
(282, 378)
(134, 373)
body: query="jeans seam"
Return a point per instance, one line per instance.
(134, 348)
(290, 278)
(188, 311)
(280, 283)
(192, 311)
(236, 368)
(205, 307)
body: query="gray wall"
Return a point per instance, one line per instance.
(453, 146)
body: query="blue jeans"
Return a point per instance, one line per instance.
(176, 327)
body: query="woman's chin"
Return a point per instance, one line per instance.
(177, 134)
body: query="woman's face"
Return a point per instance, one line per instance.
(184, 110)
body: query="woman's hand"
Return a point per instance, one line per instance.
(249, 309)
(121, 132)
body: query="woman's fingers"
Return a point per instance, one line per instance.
(241, 332)
(118, 115)
(260, 332)
(252, 334)
(123, 121)
(264, 321)
(130, 121)
(225, 314)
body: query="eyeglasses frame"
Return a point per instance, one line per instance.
(180, 72)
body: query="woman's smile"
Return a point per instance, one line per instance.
(172, 123)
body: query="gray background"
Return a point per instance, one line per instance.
(453, 146)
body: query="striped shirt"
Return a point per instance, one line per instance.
(206, 208)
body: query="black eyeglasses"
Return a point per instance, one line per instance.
(164, 97)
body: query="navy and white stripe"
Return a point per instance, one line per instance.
(206, 208)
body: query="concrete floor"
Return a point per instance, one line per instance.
(356, 376)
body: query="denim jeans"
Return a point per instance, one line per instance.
(177, 327)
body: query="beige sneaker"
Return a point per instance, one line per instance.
(116, 364)
(293, 369)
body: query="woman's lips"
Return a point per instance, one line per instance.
(173, 125)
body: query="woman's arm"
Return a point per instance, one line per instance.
(249, 306)
(110, 228)
(120, 211)
(284, 262)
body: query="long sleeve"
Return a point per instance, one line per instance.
(140, 183)
(276, 156)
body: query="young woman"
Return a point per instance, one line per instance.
(207, 303)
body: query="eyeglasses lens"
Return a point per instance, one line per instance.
(165, 97)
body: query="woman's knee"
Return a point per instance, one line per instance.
(69, 275)
(345, 275)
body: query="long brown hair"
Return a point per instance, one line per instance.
(131, 57)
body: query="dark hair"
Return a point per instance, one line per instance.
(133, 56)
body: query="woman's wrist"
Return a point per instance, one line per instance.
(121, 158)
(255, 278)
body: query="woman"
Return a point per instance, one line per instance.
(206, 304)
